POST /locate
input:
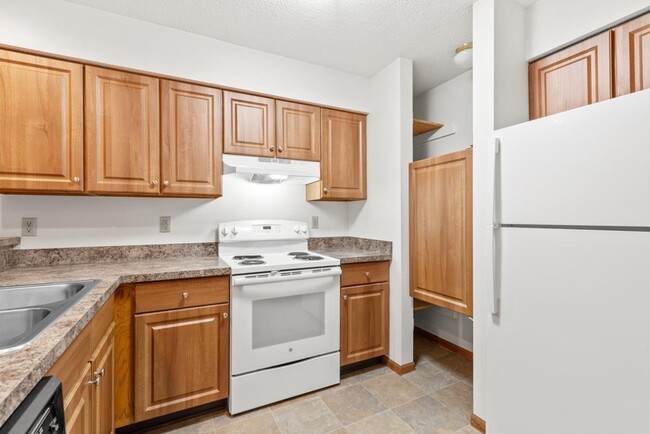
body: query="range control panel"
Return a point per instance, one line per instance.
(262, 230)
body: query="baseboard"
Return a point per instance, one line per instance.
(477, 423)
(400, 369)
(465, 354)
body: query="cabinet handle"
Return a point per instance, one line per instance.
(280, 149)
(154, 182)
(225, 315)
(76, 180)
(345, 298)
(186, 295)
(272, 149)
(165, 183)
(96, 381)
(325, 190)
(100, 373)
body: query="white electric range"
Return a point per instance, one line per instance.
(285, 312)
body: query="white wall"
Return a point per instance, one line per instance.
(63, 28)
(67, 221)
(555, 23)
(385, 214)
(450, 104)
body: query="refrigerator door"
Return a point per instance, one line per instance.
(588, 166)
(570, 351)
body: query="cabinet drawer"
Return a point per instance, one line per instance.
(366, 272)
(175, 294)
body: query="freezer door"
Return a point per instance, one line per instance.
(570, 351)
(588, 166)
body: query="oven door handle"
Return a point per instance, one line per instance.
(278, 277)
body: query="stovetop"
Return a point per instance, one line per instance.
(276, 261)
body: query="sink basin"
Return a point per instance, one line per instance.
(37, 295)
(26, 310)
(17, 323)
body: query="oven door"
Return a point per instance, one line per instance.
(282, 317)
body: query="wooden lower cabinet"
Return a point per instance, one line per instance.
(181, 359)
(78, 404)
(364, 312)
(86, 371)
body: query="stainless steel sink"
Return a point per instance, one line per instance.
(26, 310)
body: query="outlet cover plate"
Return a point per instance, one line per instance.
(29, 226)
(165, 224)
(314, 222)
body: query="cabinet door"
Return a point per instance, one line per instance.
(103, 365)
(249, 125)
(633, 55)
(191, 139)
(571, 78)
(78, 404)
(298, 131)
(343, 157)
(441, 231)
(41, 127)
(181, 359)
(364, 322)
(122, 133)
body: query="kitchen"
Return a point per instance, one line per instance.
(187, 213)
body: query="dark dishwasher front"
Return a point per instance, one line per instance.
(40, 413)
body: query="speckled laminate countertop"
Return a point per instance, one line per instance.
(22, 369)
(354, 255)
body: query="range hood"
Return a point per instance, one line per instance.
(271, 170)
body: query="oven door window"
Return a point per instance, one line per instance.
(288, 319)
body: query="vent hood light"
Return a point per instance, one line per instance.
(271, 170)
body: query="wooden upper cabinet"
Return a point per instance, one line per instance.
(191, 139)
(633, 55)
(298, 131)
(41, 124)
(571, 78)
(440, 235)
(249, 125)
(122, 133)
(343, 157)
(181, 359)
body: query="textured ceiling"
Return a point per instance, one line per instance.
(356, 36)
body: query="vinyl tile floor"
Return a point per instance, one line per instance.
(435, 399)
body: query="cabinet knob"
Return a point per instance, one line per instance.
(280, 149)
(225, 315)
(165, 183)
(368, 274)
(100, 373)
(345, 298)
(325, 190)
(96, 381)
(186, 295)
(272, 149)
(154, 182)
(76, 180)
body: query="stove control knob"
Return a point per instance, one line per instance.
(296, 229)
(234, 230)
(303, 229)
(224, 231)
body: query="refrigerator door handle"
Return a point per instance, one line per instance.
(496, 227)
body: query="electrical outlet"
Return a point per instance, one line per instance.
(165, 224)
(29, 227)
(314, 222)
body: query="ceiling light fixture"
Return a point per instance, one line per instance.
(463, 56)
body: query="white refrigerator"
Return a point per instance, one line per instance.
(568, 343)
